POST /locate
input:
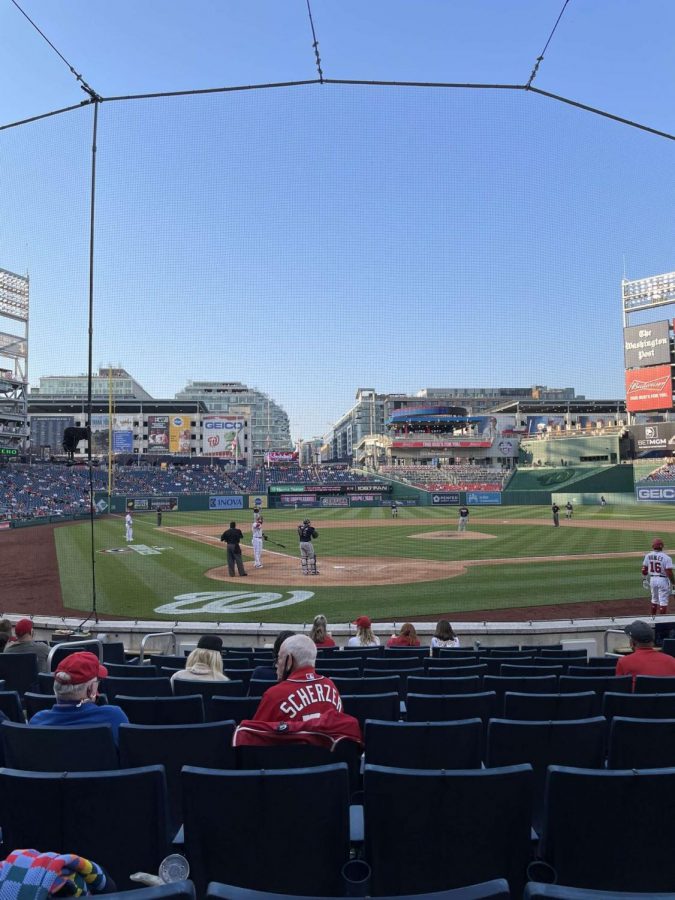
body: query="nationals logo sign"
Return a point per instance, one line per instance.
(229, 602)
(649, 388)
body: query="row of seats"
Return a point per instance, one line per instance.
(496, 889)
(526, 699)
(423, 830)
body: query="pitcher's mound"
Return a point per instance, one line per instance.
(452, 536)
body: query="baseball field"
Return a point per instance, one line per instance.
(511, 564)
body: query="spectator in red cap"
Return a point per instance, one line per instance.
(24, 643)
(76, 689)
(364, 636)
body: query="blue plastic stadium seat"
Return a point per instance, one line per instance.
(548, 707)
(386, 707)
(188, 710)
(641, 743)
(10, 705)
(77, 748)
(428, 830)
(177, 890)
(317, 796)
(174, 746)
(639, 706)
(450, 707)
(536, 891)
(488, 890)
(224, 709)
(135, 687)
(429, 745)
(598, 823)
(118, 818)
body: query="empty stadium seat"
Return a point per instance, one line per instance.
(10, 705)
(234, 709)
(334, 663)
(311, 866)
(450, 653)
(427, 830)
(497, 889)
(537, 891)
(257, 687)
(135, 687)
(470, 685)
(129, 671)
(188, 710)
(177, 890)
(174, 746)
(542, 744)
(430, 745)
(346, 672)
(401, 652)
(113, 652)
(393, 663)
(387, 684)
(167, 661)
(449, 662)
(37, 702)
(641, 743)
(538, 684)
(19, 671)
(548, 707)
(302, 756)
(117, 818)
(207, 689)
(450, 707)
(509, 671)
(654, 684)
(629, 822)
(77, 748)
(639, 706)
(385, 707)
(600, 685)
(495, 663)
(555, 653)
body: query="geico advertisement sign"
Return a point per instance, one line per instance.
(656, 494)
(224, 426)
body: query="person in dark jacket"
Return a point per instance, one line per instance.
(232, 537)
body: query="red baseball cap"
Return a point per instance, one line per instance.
(23, 626)
(79, 668)
(363, 622)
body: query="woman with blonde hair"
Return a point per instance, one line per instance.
(444, 636)
(320, 634)
(364, 636)
(407, 637)
(205, 663)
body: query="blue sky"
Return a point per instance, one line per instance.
(312, 240)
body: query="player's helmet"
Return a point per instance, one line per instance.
(657, 544)
(305, 521)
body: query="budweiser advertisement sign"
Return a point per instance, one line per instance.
(649, 388)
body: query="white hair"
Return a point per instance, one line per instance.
(70, 692)
(301, 648)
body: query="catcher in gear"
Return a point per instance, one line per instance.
(306, 533)
(657, 570)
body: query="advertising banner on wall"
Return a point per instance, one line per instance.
(649, 388)
(99, 433)
(158, 434)
(47, 431)
(483, 498)
(232, 502)
(450, 499)
(334, 501)
(649, 494)
(646, 345)
(281, 456)
(543, 424)
(507, 447)
(259, 500)
(179, 434)
(297, 499)
(657, 439)
(458, 443)
(219, 435)
(123, 434)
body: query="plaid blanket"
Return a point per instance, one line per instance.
(31, 875)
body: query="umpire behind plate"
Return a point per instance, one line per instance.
(307, 533)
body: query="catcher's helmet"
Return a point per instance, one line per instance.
(657, 544)
(305, 522)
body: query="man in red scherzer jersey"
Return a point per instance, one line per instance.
(644, 660)
(301, 694)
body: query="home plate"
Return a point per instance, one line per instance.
(339, 567)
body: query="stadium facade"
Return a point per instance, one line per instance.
(368, 422)
(14, 314)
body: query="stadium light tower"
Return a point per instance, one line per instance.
(647, 293)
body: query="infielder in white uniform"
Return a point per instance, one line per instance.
(257, 542)
(658, 567)
(129, 527)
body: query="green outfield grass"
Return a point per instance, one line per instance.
(134, 586)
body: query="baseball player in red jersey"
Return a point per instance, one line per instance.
(658, 567)
(301, 694)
